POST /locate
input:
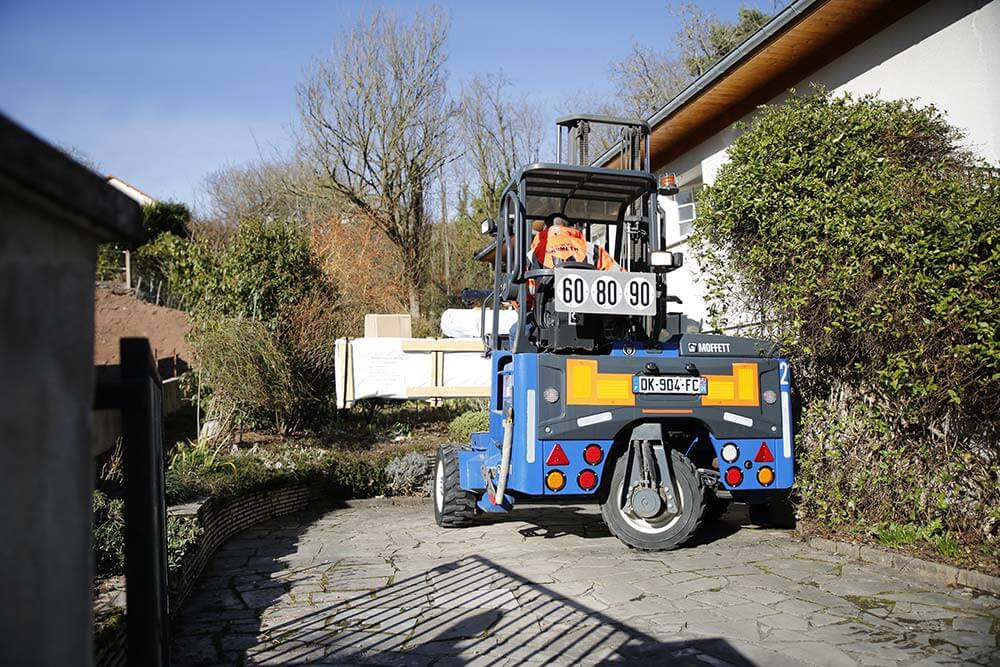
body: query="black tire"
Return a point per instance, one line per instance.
(773, 514)
(647, 535)
(454, 507)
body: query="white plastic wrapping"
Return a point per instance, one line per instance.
(465, 322)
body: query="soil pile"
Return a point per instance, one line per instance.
(121, 315)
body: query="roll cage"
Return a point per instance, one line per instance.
(619, 200)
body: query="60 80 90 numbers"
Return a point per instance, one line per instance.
(605, 292)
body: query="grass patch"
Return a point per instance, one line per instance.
(896, 535)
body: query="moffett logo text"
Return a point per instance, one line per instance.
(709, 348)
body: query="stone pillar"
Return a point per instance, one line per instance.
(53, 212)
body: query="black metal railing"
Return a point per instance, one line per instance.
(137, 394)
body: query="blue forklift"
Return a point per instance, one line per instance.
(597, 394)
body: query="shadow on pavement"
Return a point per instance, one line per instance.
(471, 609)
(552, 522)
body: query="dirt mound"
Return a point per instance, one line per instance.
(120, 315)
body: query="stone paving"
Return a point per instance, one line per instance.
(379, 583)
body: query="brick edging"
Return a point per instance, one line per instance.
(937, 573)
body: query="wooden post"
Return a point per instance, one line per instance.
(128, 270)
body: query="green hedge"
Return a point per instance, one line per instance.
(222, 476)
(866, 239)
(463, 426)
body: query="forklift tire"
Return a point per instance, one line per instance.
(653, 535)
(454, 507)
(774, 514)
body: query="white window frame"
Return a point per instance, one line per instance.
(687, 190)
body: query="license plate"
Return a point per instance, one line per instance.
(669, 384)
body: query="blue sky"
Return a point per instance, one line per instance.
(162, 94)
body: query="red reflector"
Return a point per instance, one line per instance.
(557, 457)
(734, 476)
(587, 480)
(764, 454)
(593, 454)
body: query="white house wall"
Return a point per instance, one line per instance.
(945, 53)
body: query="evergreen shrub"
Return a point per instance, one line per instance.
(864, 237)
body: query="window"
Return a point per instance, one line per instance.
(687, 206)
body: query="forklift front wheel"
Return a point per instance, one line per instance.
(454, 507)
(666, 530)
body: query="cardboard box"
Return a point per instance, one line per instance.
(387, 326)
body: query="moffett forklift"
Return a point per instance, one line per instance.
(596, 393)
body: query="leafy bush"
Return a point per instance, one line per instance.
(265, 331)
(266, 269)
(159, 218)
(109, 262)
(109, 536)
(188, 270)
(867, 240)
(463, 426)
(166, 217)
(235, 473)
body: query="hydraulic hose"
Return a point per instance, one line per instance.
(508, 435)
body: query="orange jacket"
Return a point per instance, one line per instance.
(557, 244)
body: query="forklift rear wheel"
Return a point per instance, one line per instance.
(454, 507)
(666, 530)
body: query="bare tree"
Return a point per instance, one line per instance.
(265, 189)
(704, 39)
(375, 119)
(646, 79)
(500, 133)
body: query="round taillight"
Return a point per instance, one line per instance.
(765, 476)
(555, 480)
(593, 454)
(551, 394)
(587, 480)
(730, 452)
(734, 476)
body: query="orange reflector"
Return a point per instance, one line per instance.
(555, 480)
(557, 457)
(765, 476)
(764, 454)
(587, 479)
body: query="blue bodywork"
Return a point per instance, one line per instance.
(515, 389)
